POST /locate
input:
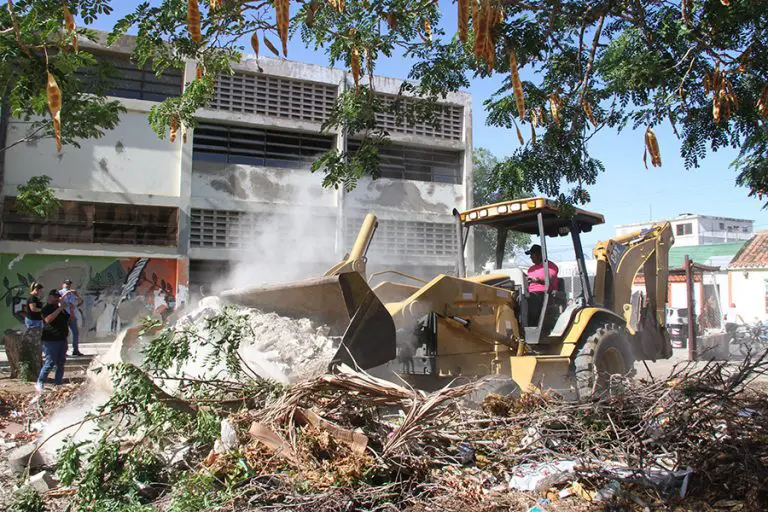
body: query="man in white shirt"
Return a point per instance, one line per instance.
(732, 319)
(72, 300)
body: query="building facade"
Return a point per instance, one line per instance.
(234, 201)
(691, 229)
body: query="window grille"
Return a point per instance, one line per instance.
(421, 164)
(450, 119)
(84, 222)
(255, 146)
(268, 95)
(226, 229)
(406, 238)
(131, 81)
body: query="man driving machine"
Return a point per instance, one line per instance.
(537, 283)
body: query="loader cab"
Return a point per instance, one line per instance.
(543, 219)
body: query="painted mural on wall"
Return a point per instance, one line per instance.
(116, 293)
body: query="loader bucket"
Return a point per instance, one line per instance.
(344, 302)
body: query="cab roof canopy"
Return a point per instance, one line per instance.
(521, 215)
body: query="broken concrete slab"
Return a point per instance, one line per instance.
(41, 482)
(19, 458)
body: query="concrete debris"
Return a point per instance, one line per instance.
(20, 458)
(41, 482)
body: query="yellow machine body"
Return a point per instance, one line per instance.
(473, 325)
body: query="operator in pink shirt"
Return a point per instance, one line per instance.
(536, 283)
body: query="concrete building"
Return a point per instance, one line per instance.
(748, 279)
(692, 229)
(233, 202)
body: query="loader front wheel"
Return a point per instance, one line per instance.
(605, 353)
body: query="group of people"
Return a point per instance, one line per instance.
(56, 318)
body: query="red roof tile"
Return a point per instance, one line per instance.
(754, 254)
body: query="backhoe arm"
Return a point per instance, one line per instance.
(355, 260)
(619, 261)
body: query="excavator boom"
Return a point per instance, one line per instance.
(619, 262)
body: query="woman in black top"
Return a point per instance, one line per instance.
(34, 307)
(53, 339)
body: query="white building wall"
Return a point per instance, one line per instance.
(130, 159)
(748, 291)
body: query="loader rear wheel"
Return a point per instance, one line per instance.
(605, 352)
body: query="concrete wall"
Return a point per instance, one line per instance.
(130, 159)
(748, 291)
(219, 183)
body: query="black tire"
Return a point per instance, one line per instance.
(605, 352)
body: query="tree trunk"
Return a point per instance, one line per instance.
(23, 349)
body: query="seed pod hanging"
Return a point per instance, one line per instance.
(193, 20)
(54, 106)
(282, 15)
(271, 46)
(762, 102)
(554, 106)
(255, 43)
(519, 133)
(588, 111)
(517, 85)
(481, 29)
(463, 6)
(337, 4)
(652, 147)
(214, 4)
(69, 23)
(174, 128)
(427, 30)
(355, 64)
(533, 134)
(199, 72)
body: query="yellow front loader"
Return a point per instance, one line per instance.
(472, 327)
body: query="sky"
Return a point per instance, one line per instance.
(625, 193)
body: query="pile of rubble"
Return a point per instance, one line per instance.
(346, 440)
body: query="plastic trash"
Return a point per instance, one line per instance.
(608, 492)
(466, 453)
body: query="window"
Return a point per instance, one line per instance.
(253, 93)
(105, 223)
(684, 229)
(255, 146)
(722, 226)
(450, 118)
(406, 238)
(230, 229)
(420, 164)
(130, 81)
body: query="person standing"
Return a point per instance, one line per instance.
(53, 339)
(72, 300)
(33, 318)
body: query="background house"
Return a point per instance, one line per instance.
(692, 229)
(748, 279)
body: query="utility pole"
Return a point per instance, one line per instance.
(691, 315)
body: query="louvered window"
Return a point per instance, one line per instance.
(252, 93)
(246, 230)
(406, 238)
(84, 222)
(255, 146)
(421, 164)
(450, 119)
(130, 81)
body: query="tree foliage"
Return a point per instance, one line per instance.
(578, 67)
(488, 189)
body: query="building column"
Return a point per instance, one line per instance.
(341, 219)
(185, 187)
